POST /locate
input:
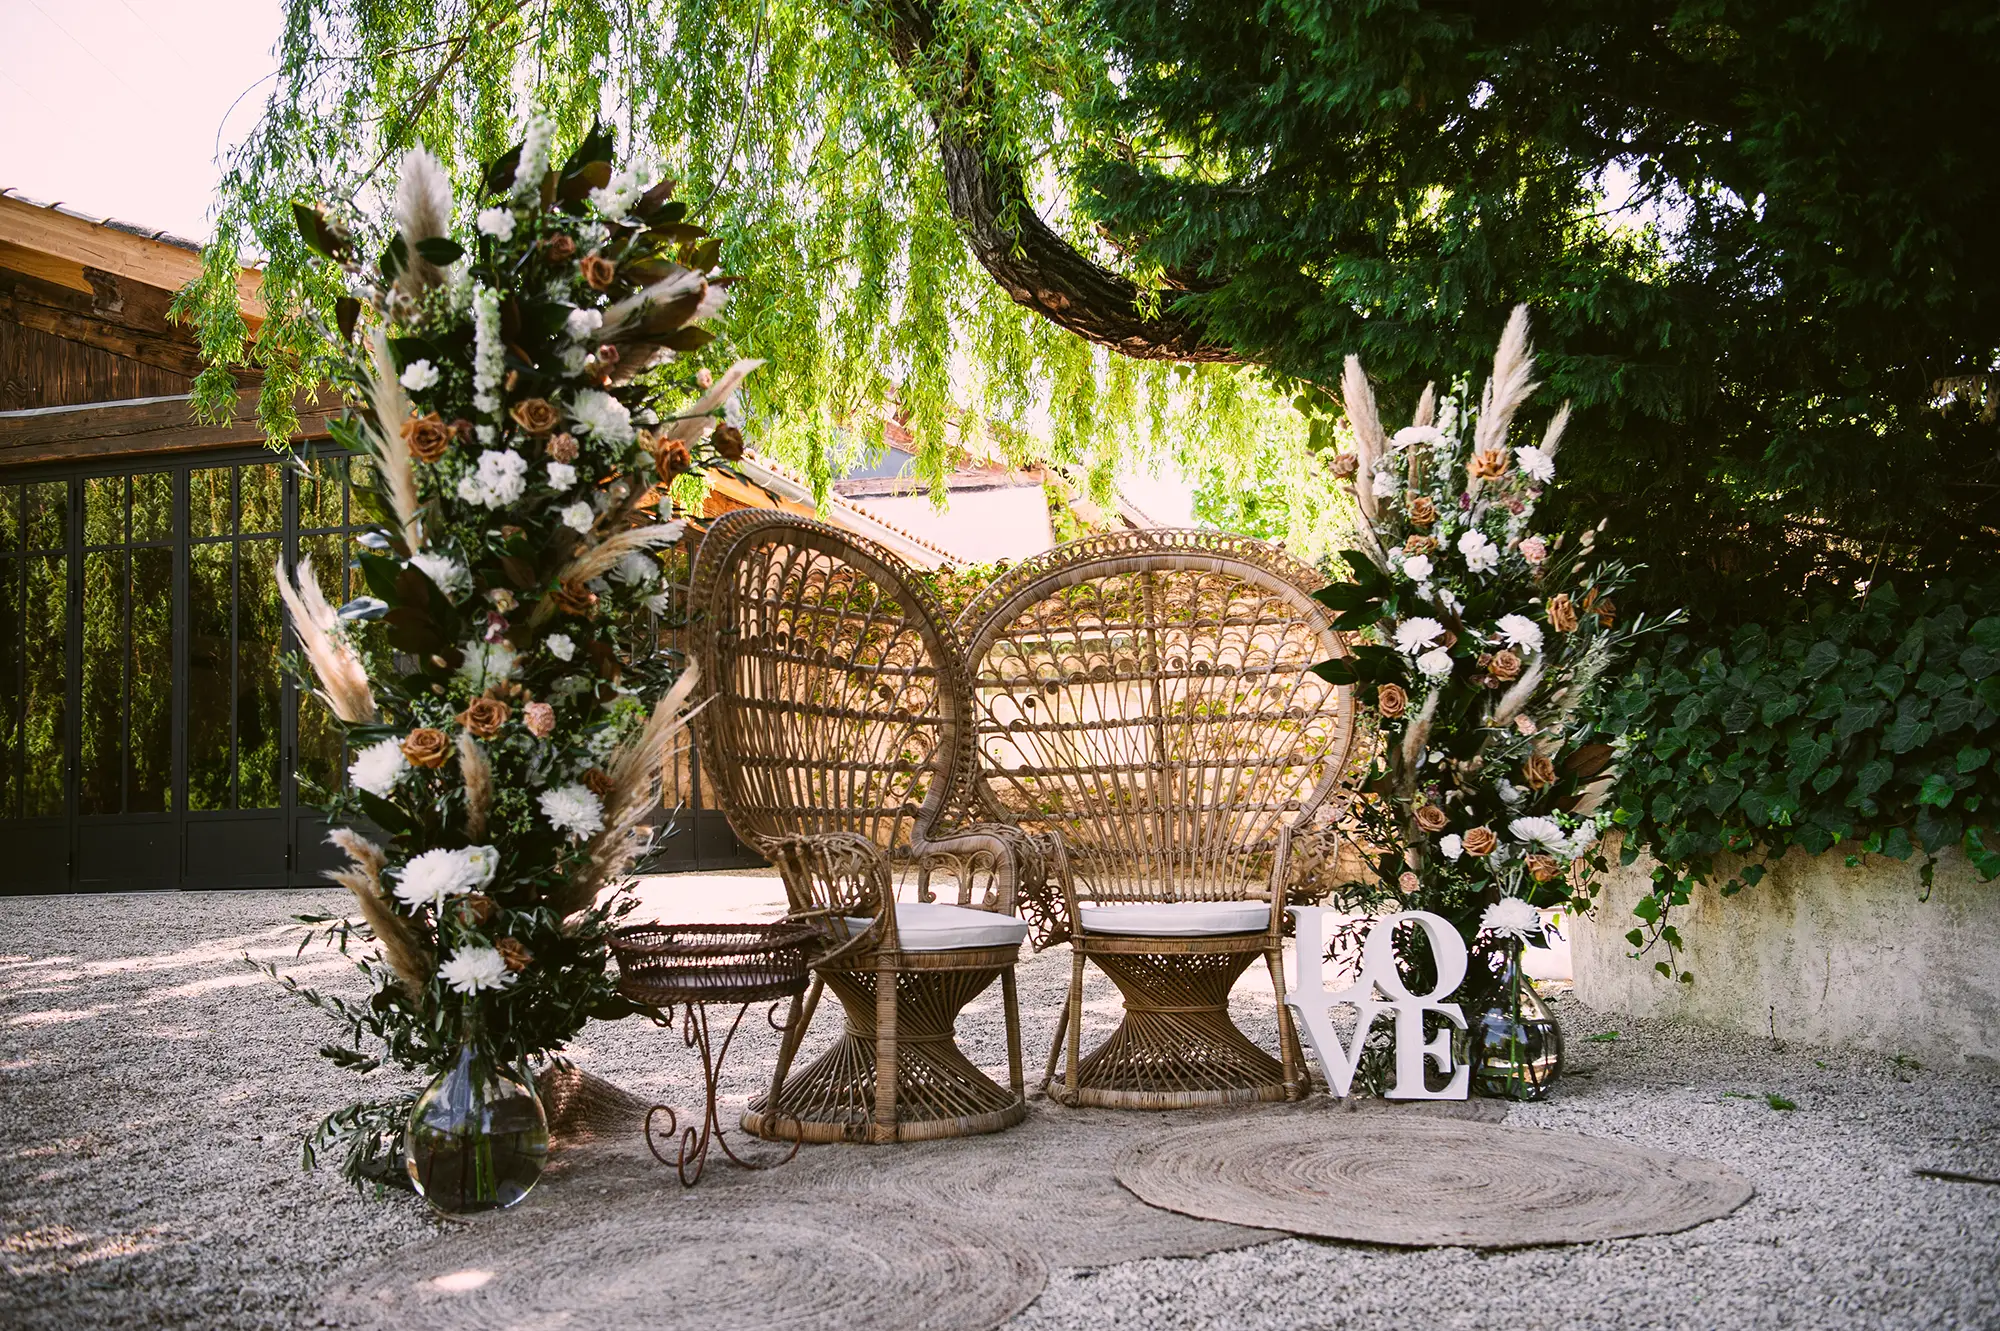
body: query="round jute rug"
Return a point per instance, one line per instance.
(1427, 1181)
(635, 1264)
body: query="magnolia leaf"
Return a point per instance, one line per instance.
(441, 250)
(346, 312)
(500, 175)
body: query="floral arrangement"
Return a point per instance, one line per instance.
(1485, 651)
(500, 685)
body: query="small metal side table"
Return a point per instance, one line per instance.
(691, 966)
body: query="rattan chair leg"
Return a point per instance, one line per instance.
(1056, 1047)
(885, 1051)
(795, 1034)
(1288, 1043)
(1075, 1022)
(1010, 1001)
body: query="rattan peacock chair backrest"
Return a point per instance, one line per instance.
(835, 696)
(1149, 695)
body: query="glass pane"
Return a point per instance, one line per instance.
(260, 497)
(45, 722)
(211, 681)
(101, 747)
(10, 683)
(104, 510)
(258, 681)
(149, 759)
(48, 515)
(209, 510)
(10, 517)
(319, 740)
(153, 506)
(320, 493)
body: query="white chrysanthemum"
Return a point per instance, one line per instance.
(487, 664)
(582, 325)
(573, 809)
(534, 159)
(577, 516)
(1417, 568)
(1435, 663)
(1512, 917)
(1416, 434)
(377, 768)
(1521, 632)
(489, 350)
(561, 476)
(637, 568)
(1481, 555)
(1451, 845)
(560, 645)
(472, 969)
(1535, 464)
(603, 415)
(1537, 830)
(1386, 484)
(1413, 635)
(452, 578)
(418, 376)
(428, 879)
(497, 223)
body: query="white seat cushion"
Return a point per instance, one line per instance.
(933, 926)
(1177, 919)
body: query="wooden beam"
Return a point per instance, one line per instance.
(111, 313)
(741, 494)
(143, 428)
(157, 263)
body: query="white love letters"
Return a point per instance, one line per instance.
(1313, 1004)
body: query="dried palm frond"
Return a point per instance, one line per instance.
(423, 212)
(393, 465)
(1552, 437)
(1512, 382)
(478, 775)
(636, 769)
(1369, 440)
(698, 419)
(362, 877)
(666, 305)
(343, 681)
(601, 558)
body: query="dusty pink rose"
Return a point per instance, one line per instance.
(539, 718)
(1534, 549)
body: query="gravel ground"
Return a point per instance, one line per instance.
(153, 1089)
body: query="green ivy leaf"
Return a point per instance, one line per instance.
(1823, 657)
(1971, 759)
(1896, 844)
(1986, 633)
(1855, 719)
(1978, 662)
(1937, 790)
(1868, 778)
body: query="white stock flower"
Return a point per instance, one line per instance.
(560, 645)
(418, 376)
(1451, 845)
(377, 768)
(428, 879)
(1535, 464)
(561, 476)
(636, 567)
(604, 416)
(487, 664)
(1521, 632)
(582, 325)
(1417, 568)
(533, 163)
(452, 578)
(1481, 555)
(1537, 830)
(472, 969)
(1435, 663)
(1511, 917)
(573, 809)
(625, 188)
(1413, 635)
(1416, 434)
(497, 223)
(489, 350)
(577, 516)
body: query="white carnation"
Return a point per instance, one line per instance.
(560, 646)
(502, 477)
(497, 223)
(418, 376)
(452, 578)
(1435, 663)
(428, 879)
(1481, 555)
(1416, 434)
(561, 476)
(472, 969)
(577, 516)
(1521, 632)
(573, 809)
(1511, 916)
(377, 768)
(1535, 464)
(603, 415)
(582, 325)
(487, 664)
(1537, 830)
(1413, 635)
(1417, 568)
(1451, 845)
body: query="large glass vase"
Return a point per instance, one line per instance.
(478, 1137)
(1513, 1043)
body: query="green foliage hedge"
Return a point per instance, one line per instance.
(1873, 722)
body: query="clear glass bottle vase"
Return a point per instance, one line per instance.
(478, 1137)
(1513, 1043)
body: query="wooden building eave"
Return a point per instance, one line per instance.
(145, 427)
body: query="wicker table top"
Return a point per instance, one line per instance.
(664, 964)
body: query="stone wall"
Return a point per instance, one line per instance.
(1819, 953)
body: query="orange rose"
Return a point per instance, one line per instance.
(728, 441)
(1539, 773)
(599, 271)
(1543, 867)
(426, 747)
(1391, 702)
(476, 907)
(1481, 842)
(536, 415)
(1422, 511)
(1489, 464)
(1505, 665)
(1562, 614)
(1432, 819)
(484, 717)
(511, 952)
(427, 437)
(1419, 545)
(672, 459)
(1345, 465)
(559, 247)
(573, 598)
(562, 448)
(598, 782)
(1607, 613)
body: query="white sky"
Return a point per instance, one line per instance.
(113, 106)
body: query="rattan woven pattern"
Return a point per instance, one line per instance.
(710, 963)
(1413, 1181)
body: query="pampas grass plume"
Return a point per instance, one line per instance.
(343, 681)
(362, 877)
(423, 212)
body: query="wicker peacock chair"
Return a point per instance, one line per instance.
(1146, 699)
(835, 737)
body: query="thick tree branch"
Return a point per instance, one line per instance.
(1033, 264)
